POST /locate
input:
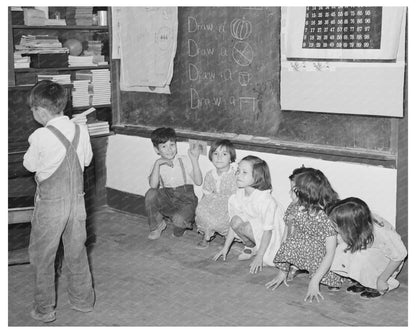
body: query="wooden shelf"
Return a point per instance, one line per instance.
(62, 27)
(79, 108)
(74, 68)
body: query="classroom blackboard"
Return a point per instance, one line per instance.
(227, 80)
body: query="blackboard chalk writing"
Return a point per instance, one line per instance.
(247, 104)
(227, 75)
(197, 102)
(244, 78)
(240, 28)
(194, 50)
(221, 28)
(223, 52)
(194, 26)
(195, 74)
(242, 53)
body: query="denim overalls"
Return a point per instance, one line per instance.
(60, 211)
(177, 203)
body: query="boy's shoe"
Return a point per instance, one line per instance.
(44, 317)
(370, 294)
(202, 244)
(334, 289)
(178, 232)
(155, 234)
(82, 309)
(356, 289)
(247, 253)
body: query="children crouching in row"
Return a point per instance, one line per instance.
(330, 239)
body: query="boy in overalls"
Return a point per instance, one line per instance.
(58, 153)
(171, 180)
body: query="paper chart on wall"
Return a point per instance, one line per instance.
(341, 33)
(146, 45)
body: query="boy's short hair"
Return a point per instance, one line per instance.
(227, 144)
(48, 95)
(162, 135)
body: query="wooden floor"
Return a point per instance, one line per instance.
(168, 282)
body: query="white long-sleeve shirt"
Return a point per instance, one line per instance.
(46, 152)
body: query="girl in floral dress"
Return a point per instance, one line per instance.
(311, 245)
(219, 184)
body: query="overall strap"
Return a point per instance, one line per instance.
(62, 137)
(183, 170)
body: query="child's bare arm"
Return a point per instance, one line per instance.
(196, 170)
(313, 288)
(228, 241)
(382, 284)
(257, 263)
(154, 177)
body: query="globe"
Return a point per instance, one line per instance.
(74, 46)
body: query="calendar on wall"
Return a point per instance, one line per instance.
(343, 33)
(342, 28)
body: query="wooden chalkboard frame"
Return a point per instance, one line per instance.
(328, 151)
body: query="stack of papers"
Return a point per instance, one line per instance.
(101, 86)
(40, 44)
(98, 127)
(58, 78)
(34, 16)
(80, 93)
(21, 61)
(80, 61)
(79, 15)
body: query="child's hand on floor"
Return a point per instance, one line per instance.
(313, 292)
(222, 253)
(256, 265)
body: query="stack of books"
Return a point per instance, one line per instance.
(80, 61)
(96, 127)
(79, 15)
(94, 49)
(58, 78)
(34, 16)
(55, 22)
(40, 44)
(21, 61)
(101, 86)
(81, 93)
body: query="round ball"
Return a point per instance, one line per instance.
(74, 46)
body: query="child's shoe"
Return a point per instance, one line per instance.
(370, 294)
(81, 308)
(202, 244)
(293, 272)
(44, 317)
(356, 289)
(247, 253)
(334, 289)
(155, 234)
(178, 231)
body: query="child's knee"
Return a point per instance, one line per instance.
(236, 222)
(181, 221)
(151, 196)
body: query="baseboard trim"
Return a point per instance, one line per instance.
(125, 202)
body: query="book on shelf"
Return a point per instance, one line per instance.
(55, 22)
(58, 78)
(96, 127)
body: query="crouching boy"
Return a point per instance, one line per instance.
(171, 180)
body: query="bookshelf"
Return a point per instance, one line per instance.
(23, 77)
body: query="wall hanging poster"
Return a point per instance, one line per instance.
(341, 33)
(346, 60)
